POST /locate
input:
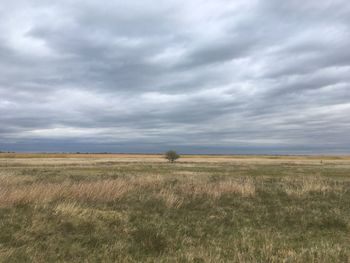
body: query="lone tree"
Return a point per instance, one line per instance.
(171, 156)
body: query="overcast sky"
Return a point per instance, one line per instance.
(217, 76)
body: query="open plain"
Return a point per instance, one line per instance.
(140, 208)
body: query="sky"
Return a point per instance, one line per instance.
(214, 76)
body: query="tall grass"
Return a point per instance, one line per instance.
(11, 192)
(79, 210)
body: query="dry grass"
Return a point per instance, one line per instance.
(54, 158)
(10, 179)
(11, 192)
(215, 190)
(24, 189)
(171, 199)
(103, 191)
(129, 209)
(300, 186)
(75, 155)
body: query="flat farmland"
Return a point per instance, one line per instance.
(203, 208)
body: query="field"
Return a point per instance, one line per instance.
(139, 208)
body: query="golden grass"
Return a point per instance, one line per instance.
(215, 190)
(59, 158)
(12, 179)
(299, 186)
(11, 192)
(19, 188)
(187, 211)
(24, 189)
(104, 190)
(170, 198)
(75, 155)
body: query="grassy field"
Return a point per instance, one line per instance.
(138, 208)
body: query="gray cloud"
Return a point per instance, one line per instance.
(198, 76)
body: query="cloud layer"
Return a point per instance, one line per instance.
(199, 76)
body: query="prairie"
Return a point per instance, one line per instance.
(139, 208)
